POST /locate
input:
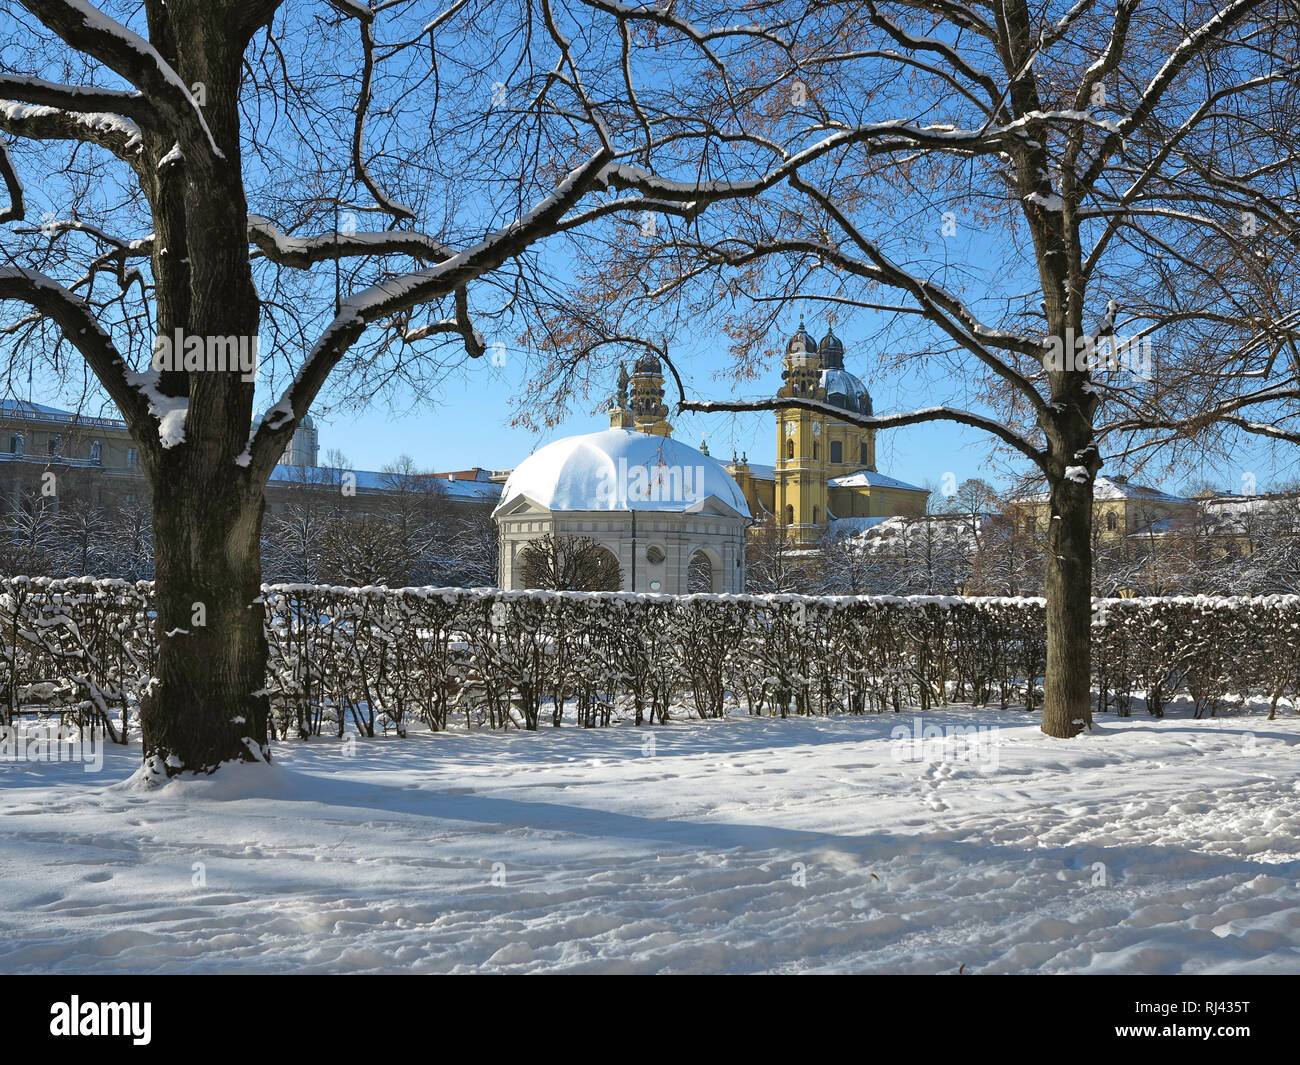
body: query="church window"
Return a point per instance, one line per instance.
(815, 449)
(837, 451)
(789, 449)
(1112, 522)
(815, 515)
(789, 513)
(862, 453)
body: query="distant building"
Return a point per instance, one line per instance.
(825, 469)
(91, 458)
(96, 459)
(304, 448)
(671, 516)
(1119, 509)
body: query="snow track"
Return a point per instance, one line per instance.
(742, 845)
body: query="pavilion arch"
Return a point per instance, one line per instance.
(704, 571)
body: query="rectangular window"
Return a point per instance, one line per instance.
(837, 451)
(132, 458)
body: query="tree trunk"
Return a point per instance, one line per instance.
(1067, 703)
(208, 703)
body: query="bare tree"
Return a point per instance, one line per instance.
(569, 564)
(83, 532)
(29, 536)
(1130, 180)
(469, 550)
(772, 565)
(356, 185)
(130, 541)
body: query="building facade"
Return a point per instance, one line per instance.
(825, 469)
(671, 516)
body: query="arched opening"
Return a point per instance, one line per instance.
(701, 575)
(816, 515)
(1112, 521)
(862, 454)
(567, 563)
(789, 448)
(789, 513)
(816, 450)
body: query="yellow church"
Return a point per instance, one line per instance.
(825, 475)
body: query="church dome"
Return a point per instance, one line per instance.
(801, 343)
(845, 391)
(831, 349)
(620, 469)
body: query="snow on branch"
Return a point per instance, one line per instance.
(303, 252)
(87, 29)
(81, 328)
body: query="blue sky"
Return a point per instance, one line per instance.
(468, 425)
(467, 422)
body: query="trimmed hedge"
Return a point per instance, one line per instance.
(379, 658)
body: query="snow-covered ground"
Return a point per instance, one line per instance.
(741, 845)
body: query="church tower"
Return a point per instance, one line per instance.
(814, 449)
(647, 401)
(620, 416)
(800, 462)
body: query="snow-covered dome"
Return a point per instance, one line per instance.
(845, 391)
(620, 469)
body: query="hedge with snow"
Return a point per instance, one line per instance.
(379, 658)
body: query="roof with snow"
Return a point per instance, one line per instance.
(872, 479)
(21, 408)
(619, 469)
(378, 481)
(1108, 488)
(850, 526)
(875, 533)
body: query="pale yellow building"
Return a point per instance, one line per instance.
(825, 468)
(1119, 509)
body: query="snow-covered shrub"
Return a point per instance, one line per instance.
(79, 648)
(379, 657)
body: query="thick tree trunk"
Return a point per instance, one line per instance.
(205, 706)
(1067, 702)
(208, 704)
